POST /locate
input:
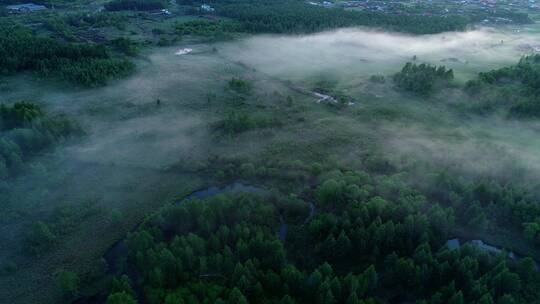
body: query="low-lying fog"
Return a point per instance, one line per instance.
(126, 126)
(479, 145)
(130, 138)
(362, 52)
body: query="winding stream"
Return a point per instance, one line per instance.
(116, 252)
(115, 256)
(454, 244)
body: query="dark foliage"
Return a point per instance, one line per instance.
(101, 19)
(515, 88)
(126, 46)
(85, 64)
(422, 78)
(25, 130)
(135, 5)
(236, 122)
(299, 17)
(215, 29)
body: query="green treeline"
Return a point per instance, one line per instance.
(299, 17)
(515, 88)
(218, 30)
(513, 91)
(135, 5)
(84, 64)
(101, 19)
(371, 240)
(25, 129)
(422, 78)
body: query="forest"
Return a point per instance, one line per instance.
(366, 243)
(215, 30)
(82, 64)
(136, 5)
(512, 91)
(521, 81)
(295, 17)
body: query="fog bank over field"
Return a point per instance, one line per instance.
(476, 145)
(509, 150)
(357, 52)
(124, 125)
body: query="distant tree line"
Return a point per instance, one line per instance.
(47, 3)
(217, 30)
(135, 5)
(514, 17)
(101, 19)
(84, 64)
(299, 17)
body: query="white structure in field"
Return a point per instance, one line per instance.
(207, 8)
(183, 51)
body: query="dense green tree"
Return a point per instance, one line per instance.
(121, 298)
(40, 238)
(85, 64)
(422, 78)
(236, 297)
(486, 299)
(69, 282)
(121, 284)
(457, 298)
(228, 247)
(497, 89)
